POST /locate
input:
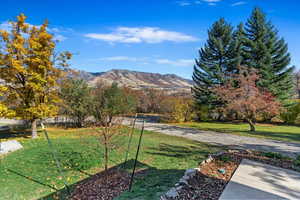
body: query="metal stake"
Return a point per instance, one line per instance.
(136, 157)
(55, 158)
(129, 142)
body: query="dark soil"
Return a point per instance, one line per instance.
(102, 186)
(209, 183)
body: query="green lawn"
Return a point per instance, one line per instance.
(270, 131)
(31, 173)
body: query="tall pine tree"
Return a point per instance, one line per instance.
(265, 51)
(216, 60)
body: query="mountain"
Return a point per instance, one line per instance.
(140, 80)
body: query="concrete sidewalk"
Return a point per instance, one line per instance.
(257, 181)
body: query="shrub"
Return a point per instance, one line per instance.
(296, 163)
(291, 114)
(273, 155)
(178, 109)
(111, 101)
(202, 113)
(224, 158)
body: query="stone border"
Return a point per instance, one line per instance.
(188, 174)
(9, 146)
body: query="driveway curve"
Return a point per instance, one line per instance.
(291, 149)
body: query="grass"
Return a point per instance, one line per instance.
(269, 131)
(31, 173)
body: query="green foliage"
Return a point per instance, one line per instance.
(111, 101)
(291, 113)
(116, 101)
(266, 51)
(77, 100)
(216, 60)
(297, 161)
(224, 158)
(202, 112)
(274, 155)
(257, 45)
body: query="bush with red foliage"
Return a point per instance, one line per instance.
(242, 96)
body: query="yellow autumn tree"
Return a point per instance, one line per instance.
(4, 111)
(30, 72)
(183, 110)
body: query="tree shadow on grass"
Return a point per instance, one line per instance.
(149, 182)
(15, 134)
(16, 131)
(31, 179)
(178, 151)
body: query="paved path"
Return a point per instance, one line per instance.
(253, 180)
(234, 141)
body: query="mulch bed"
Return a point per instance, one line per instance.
(209, 183)
(98, 187)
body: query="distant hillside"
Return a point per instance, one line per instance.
(139, 80)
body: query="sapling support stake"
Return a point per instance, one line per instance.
(129, 142)
(136, 156)
(58, 165)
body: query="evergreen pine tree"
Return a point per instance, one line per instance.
(237, 47)
(214, 63)
(268, 53)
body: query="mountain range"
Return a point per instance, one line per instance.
(139, 80)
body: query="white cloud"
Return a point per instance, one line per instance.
(188, 3)
(122, 58)
(212, 2)
(141, 34)
(179, 62)
(183, 3)
(59, 37)
(238, 3)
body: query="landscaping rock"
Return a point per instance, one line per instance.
(9, 146)
(233, 151)
(222, 171)
(183, 181)
(172, 193)
(190, 172)
(219, 153)
(208, 160)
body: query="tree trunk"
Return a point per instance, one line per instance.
(251, 124)
(33, 129)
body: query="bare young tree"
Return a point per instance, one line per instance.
(110, 136)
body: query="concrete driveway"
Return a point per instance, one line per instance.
(291, 149)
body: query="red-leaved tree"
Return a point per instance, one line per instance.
(242, 96)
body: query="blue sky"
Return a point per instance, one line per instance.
(153, 36)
